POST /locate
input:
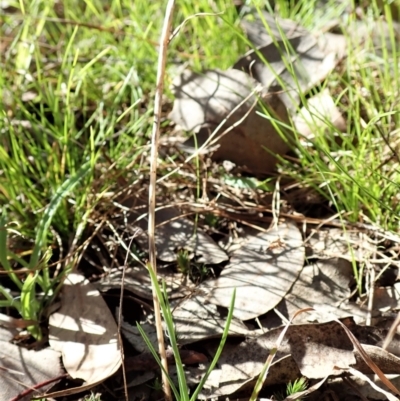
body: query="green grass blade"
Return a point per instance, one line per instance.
(48, 215)
(219, 350)
(167, 315)
(4, 252)
(30, 306)
(158, 360)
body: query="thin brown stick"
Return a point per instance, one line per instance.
(121, 301)
(162, 59)
(30, 390)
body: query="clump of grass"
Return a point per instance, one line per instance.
(357, 171)
(76, 80)
(77, 83)
(292, 388)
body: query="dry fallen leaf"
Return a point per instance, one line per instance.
(241, 376)
(137, 281)
(85, 332)
(324, 286)
(370, 386)
(284, 44)
(311, 350)
(203, 101)
(262, 271)
(338, 243)
(320, 112)
(174, 233)
(21, 369)
(197, 320)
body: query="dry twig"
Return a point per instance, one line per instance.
(162, 58)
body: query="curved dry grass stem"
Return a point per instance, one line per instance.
(162, 58)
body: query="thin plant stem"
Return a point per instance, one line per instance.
(162, 59)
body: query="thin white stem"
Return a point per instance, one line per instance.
(162, 59)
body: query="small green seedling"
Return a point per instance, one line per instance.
(292, 388)
(197, 272)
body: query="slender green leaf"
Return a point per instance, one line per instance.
(49, 213)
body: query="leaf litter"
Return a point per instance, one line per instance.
(22, 369)
(262, 270)
(85, 332)
(269, 269)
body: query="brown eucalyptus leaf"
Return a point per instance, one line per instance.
(378, 366)
(287, 57)
(262, 271)
(85, 332)
(204, 101)
(21, 368)
(319, 350)
(386, 361)
(387, 298)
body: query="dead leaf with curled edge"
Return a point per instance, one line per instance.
(204, 101)
(85, 332)
(287, 58)
(261, 272)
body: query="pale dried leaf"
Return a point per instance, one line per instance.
(22, 368)
(196, 320)
(374, 384)
(362, 354)
(337, 243)
(262, 271)
(324, 286)
(242, 376)
(310, 60)
(318, 350)
(137, 280)
(203, 101)
(243, 364)
(320, 112)
(85, 332)
(174, 233)
(367, 385)
(386, 361)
